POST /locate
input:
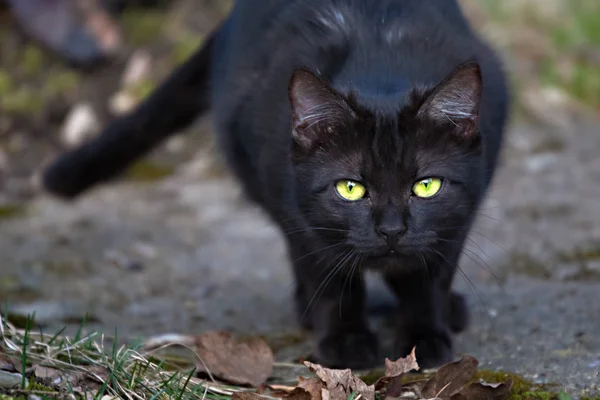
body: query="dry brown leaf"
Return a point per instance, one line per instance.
(307, 389)
(393, 374)
(451, 378)
(247, 362)
(401, 366)
(341, 383)
(47, 373)
(281, 388)
(483, 391)
(298, 394)
(246, 396)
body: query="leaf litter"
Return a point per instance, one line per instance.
(218, 367)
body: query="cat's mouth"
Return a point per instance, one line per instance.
(392, 253)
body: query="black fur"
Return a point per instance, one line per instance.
(308, 92)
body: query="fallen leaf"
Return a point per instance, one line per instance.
(307, 389)
(299, 394)
(281, 388)
(401, 366)
(451, 378)
(47, 373)
(395, 388)
(341, 383)
(246, 396)
(247, 362)
(484, 391)
(393, 374)
(169, 339)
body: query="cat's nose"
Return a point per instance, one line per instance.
(391, 233)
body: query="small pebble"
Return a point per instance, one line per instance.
(121, 103)
(137, 69)
(122, 261)
(145, 250)
(10, 380)
(81, 124)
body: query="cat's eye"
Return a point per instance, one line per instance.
(350, 190)
(428, 187)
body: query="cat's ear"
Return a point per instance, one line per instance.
(456, 99)
(316, 108)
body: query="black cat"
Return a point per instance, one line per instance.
(368, 130)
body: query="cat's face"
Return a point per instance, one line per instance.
(388, 186)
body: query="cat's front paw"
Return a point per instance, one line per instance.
(458, 312)
(355, 350)
(433, 348)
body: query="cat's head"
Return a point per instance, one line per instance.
(388, 185)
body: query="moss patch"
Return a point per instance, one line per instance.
(38, 387)
(564, 36)
(24, 100)
(61, 83)
(7, 397)
(525, 264)
(142, 26)
(372, 376)
(142, 89)
(582, 254)
(11, 211)
(6, 83)
(185, 47)
(32, 61)
(147, 171)
(281, 342)
(550, 144)
(522, 388)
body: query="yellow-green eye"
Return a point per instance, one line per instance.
(350, 190)
(427, 187)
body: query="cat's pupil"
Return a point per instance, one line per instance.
(351, 186)
(426, 184)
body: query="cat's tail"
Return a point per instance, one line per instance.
(173, 106)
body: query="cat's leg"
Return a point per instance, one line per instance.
(458, 312)
(332, 301)
(172, 106)
(457, 309)
(426, 308)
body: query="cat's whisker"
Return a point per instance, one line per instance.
(332, 272)
(318, 251)
(349, 276)
(490, 217)
(315, 228)
(468, 280)
(470, 253)
(473, 231)
(490, 240)
(465, 248)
